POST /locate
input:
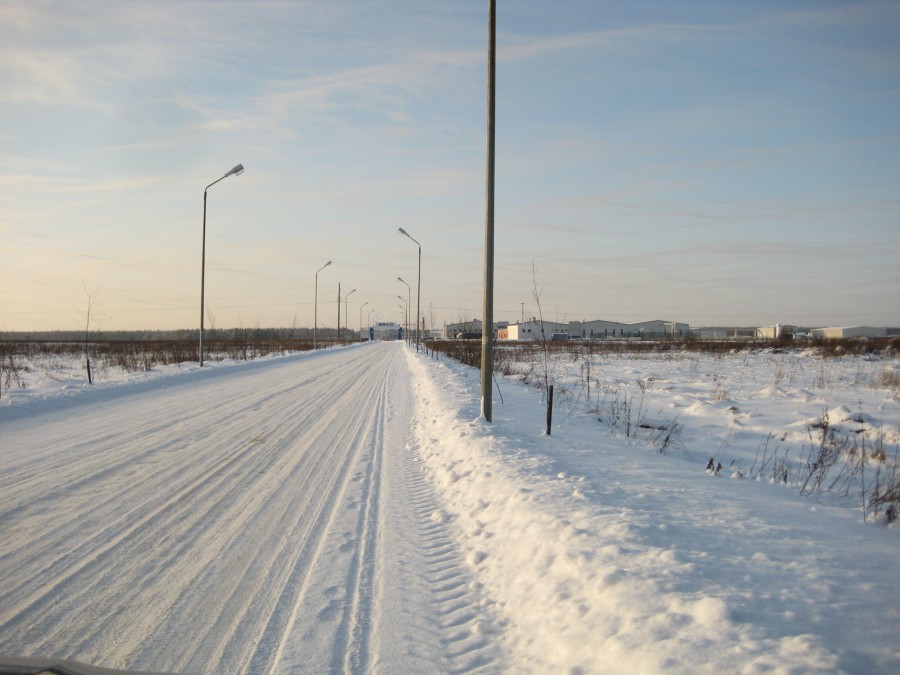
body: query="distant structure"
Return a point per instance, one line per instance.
(534, 330)
(848, 332)
(601, 330)
(724, 333)
(386, 330)
(469, 329)
(776, 332)
(454, 330)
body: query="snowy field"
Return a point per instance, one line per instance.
(348, 511)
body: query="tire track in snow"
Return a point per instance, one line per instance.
(209, 487)
(268, 521)
(257, 637)
(461, 614)
(280, 624)
(95, 551)
(353, 636)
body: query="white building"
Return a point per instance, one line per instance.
(848, 332)
(534, 330)
(779, 330)
(724, 333)
(596, 330)
(601, 330)
(659, 328)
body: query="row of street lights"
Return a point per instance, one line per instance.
(408, 302)
(418, 285)
(487, 339)
(237, 171)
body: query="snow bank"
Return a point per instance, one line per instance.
(583, 581)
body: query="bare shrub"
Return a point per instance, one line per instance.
(888, 378)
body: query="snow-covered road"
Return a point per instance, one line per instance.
(350, 511)
(266, 518)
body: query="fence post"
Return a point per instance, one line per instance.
(549, 408)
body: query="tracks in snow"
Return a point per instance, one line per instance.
(270, 520)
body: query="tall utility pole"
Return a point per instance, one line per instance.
(487, 324)
(339, 312)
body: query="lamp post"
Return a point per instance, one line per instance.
(236, 171)
(360, 318)
(316, 307)
(408, 303)
(406, 313)
(418, 285)
(369, 318)
(346, 305)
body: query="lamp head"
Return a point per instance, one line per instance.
(236, 171)
(407, 234)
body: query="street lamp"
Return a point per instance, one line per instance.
(418, 285)
(406, 313)
(408, 303)
(346, 297)
(236, 171)
(316, 307)
(360, 318)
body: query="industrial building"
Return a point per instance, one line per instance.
(848, 332)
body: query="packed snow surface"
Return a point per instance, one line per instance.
(350, 511)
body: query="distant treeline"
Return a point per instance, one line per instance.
(180, 335)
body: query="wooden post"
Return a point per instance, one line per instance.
(549, 408)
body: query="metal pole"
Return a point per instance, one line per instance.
(236, 171)
(316, 315)
(346, 307)
(418, 298)
(408, 301)
(487, 326)
(339, 313)
(202, 276)
(405, 316)
(360, 318)
(418, 285)
(316, 307)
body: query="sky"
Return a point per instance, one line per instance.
(705, 162)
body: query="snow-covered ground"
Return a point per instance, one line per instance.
(348, 511)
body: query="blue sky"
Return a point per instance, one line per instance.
(712, 163)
